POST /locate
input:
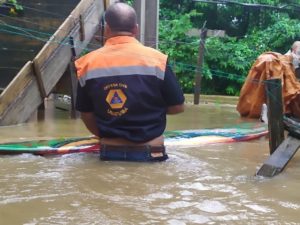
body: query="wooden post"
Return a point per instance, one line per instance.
(203, 34)
(275, 113)
(73, 76)
(81, 29)
(39, 79)
(281, 151)
(198, 76)
(41, 112)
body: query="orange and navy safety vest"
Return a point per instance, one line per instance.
(129, 87)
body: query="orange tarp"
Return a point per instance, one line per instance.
(269, 65)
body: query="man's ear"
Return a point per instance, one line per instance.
(107, 31)
(136, 30)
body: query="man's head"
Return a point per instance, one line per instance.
(296, 48)
(120, 18)
(295, 53)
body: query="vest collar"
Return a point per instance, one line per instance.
(120, 40)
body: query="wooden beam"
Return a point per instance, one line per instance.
(81, 29)
(39, 79)
(279, 159)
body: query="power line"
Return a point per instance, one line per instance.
(285, 7)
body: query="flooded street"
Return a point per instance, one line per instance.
(212, 184)
(207, 184)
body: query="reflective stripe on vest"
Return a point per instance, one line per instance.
(120, 71)
(121, 56)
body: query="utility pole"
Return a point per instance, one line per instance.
(204, 33)
(198, 76)
(148, 17)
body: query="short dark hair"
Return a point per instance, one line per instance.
(120, 17)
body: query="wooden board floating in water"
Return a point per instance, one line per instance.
(280, 157)
(285, 151)
(242, 132)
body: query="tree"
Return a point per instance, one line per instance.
(250, 32)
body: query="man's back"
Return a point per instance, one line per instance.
(126, 90)
(125, 82)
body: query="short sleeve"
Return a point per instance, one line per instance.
(171, 90)
(83, 101)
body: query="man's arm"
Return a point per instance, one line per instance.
(175, 109)
(172, 93)
(89, 121)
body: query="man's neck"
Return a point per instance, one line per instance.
(121, 33)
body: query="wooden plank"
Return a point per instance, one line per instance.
(56, 67)
(54, 42)
(15, 87)
(279, 159)
(23, 106)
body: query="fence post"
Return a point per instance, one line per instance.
(275, 113)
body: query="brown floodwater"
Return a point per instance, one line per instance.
(211, 184)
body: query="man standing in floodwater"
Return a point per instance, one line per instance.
(125, 91)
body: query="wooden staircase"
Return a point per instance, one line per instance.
(38, 78)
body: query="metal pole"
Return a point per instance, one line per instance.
(148, 14)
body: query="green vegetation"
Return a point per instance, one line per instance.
(11, 7)
(250, 31)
